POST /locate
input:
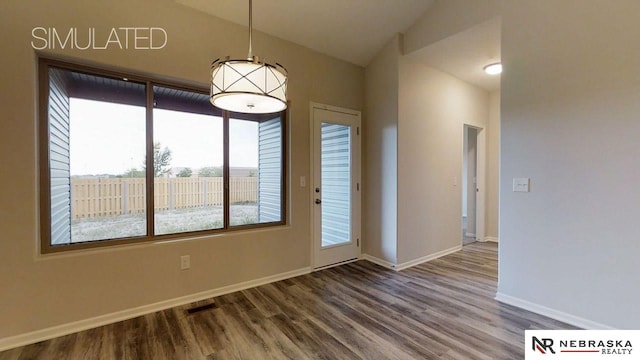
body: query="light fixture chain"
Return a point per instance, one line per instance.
(250, 56)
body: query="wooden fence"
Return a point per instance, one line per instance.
(92, 198)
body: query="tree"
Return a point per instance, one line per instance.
(133, 173)
(161, 160)
(186, 172)
(210, 171)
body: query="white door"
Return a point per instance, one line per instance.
(335, 191)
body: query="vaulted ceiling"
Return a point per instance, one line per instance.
(464, 54)
(351, 30)
(356, 30)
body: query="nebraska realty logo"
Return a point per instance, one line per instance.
(581, 344)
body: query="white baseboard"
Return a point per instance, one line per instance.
(70, 328)
(378, 261)
(408, 264)
(470, 235)
(336, 264)
(552, 313)
(490, 239)
(424, 259)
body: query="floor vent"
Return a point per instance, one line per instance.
(198, 309)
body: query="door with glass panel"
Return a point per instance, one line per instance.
(336, 185)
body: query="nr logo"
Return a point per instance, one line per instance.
(542, 345)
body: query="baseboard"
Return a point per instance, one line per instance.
(408, 264)
(378, 261)
(490, 239)
(73, 327)
(336, 264)
(470, 235)
(552, 313)
(424, 259)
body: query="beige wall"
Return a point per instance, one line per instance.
(493, 166)
(43, 291)
(413, 150)
(445, 19)
(380, 170)
(570, 105)
(433, 107)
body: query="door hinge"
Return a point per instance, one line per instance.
(358, 130)
(358, 242)
(357, 186)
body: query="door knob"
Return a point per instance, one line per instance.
(318, 201)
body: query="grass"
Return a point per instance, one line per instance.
(166, 222)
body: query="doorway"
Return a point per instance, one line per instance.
(335, 190)
(473, 165)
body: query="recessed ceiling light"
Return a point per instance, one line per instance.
(493, 69)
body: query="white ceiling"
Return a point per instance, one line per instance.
(351, 30)
(463, 55)
(355, 30)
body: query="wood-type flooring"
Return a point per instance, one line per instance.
(443, 309)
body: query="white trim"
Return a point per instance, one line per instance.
(322, 256)
(490, 239)
(311, 183)
(315, 105)
(470, 235)
(424, 259)
(551, 313)
(336, 264)
(481, 177)
(481, 182)
(408, 264)
(72, 327)
(378, 261)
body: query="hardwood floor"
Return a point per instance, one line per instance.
(443, 309)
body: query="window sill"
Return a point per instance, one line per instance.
(152, 243)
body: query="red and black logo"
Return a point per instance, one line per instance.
(543, 345)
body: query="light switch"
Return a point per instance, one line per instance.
(303, 181)
(521, 184)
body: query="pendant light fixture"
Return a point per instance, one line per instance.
(248, 86)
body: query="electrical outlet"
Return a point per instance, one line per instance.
(185, 262)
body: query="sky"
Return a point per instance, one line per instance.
(108, 138)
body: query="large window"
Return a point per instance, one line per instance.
(209, 170)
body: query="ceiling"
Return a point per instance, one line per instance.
(464, 54)
(351, 30)
(355, 30)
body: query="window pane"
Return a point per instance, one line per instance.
(336, 184)
(188, 148)
(255, 171)
(106, 153)
(95, 143)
